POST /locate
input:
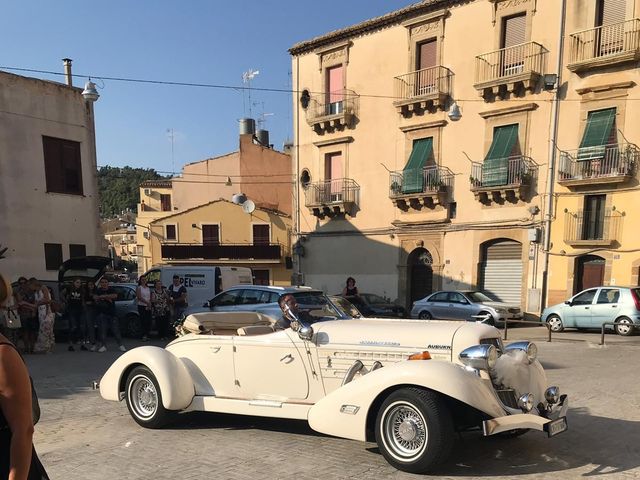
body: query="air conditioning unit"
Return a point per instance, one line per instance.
(146, 235)
(147, 192)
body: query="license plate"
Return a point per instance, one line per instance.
(556, 426)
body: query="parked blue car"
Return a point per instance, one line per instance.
(595, 306)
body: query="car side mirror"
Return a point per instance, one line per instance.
(568, 302)
(305, 332)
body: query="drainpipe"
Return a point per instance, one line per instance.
(296, 190)
(67, 71)
(552, 160)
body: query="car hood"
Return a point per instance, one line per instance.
(443, 339)
(85, 268)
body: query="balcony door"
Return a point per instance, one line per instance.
(335, 90)
(334, 176)
(610, 15)
(593, 217)
(210, 235)
(426, 80)
(261, 234)
(514, 34)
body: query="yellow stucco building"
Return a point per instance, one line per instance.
(427, 152)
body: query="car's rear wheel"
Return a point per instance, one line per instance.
(144, 399)
(424, 315)
(414, 430)
(624, 326)
(555, 323)
(132, 326)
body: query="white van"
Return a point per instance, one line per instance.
(202, 282)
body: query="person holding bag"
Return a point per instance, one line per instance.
(18, 458)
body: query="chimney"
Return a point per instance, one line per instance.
(67, 71)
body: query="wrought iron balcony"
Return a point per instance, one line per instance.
(503, 179)
(604, 45)
(607, 164)
(331, 197)
(592, 228)
(176, 251)
(422, 90)
(415, 188)
(510, 69)
(331, 111)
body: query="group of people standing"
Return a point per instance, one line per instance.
(160, 305)
(29, 316)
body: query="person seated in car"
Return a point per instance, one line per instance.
(286, 321)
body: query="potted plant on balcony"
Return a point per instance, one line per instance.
(395, 188)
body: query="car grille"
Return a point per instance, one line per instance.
(508, 397)
(514, 310)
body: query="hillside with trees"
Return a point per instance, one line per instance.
(119, 188)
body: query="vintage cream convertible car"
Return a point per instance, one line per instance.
(408, 384)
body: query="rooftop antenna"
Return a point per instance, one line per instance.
(262, 118)
(171, 136)
(246, 78)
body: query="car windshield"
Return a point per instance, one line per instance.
(347, 308)
(372, 298)
(318, 306)
(478, 297)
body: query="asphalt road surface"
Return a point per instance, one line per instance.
(80, 436)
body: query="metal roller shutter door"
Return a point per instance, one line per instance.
(502, 272)
(613, 11)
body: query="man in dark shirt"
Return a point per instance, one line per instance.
(105, 297)
(73, 296)
(178, 294)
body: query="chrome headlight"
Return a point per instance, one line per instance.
(501, 310)
(529, 348)
(525, 402)
(479, 357)
(552, 395)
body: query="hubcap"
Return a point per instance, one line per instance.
(405, 431)
(624, 327)
(143, 397)
(555, 323)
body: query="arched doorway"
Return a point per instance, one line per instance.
(501, 270)
(420, 274)
(589, 272)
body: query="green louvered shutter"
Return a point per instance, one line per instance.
(495, 170)
(596, 134)
(412, 174)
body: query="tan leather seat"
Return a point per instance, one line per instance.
(255, 330)
(224, 323)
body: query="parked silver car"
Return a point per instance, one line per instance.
(595, 306)
(464, 305)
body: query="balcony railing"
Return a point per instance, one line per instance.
(422, 89)
(587, 227)
(332, 110)
(604, 45)
(505, 177)
(615, 163)
(174, 251)
(337, 195)
(512, 67)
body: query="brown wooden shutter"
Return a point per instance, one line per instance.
(165, 202)
(261, 234)
(71, 167)
(210, 235)
(515, 30)
(52, 164)
(170, 232)
(427, 54)
(77, 250)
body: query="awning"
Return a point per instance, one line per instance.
(596, 134)
(412, 174)
(495, 170)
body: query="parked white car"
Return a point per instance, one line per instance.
(410, 385)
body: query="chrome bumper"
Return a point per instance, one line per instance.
(530, 421)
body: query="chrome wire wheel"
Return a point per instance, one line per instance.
(404, 431)
(143, 397)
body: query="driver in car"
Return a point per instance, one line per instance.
(291, 313)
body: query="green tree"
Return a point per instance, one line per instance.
(119, 188)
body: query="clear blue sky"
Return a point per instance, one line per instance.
(211, 42)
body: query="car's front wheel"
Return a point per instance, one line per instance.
(132, 326)
(144, 399)
(624, 326)
(414, 430)
(424, 315)
(555, 323)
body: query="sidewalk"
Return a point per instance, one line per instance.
(540, 334)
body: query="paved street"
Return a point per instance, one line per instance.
(81, 436)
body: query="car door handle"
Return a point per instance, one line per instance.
(215, 349)
(586, 308)
(614, 306)
(287, 358)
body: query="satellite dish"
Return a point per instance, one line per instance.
(239, 198)
(248, 206)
